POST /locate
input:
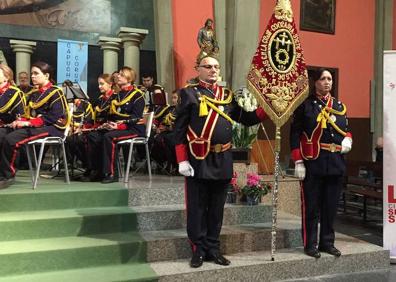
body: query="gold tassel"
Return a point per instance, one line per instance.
(322, 119)
(203, 107)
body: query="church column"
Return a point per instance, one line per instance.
(220, 8)
(246, 23)
(131, 39)
(163, 27)
(23, 51)
(110, 47)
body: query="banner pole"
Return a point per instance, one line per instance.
(275, 192)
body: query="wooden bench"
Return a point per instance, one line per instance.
(367, 187)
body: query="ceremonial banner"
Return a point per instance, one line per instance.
(389, 165)
(278, 76)
(73, 62)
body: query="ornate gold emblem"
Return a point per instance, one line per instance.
(283, 11)
(280, 97)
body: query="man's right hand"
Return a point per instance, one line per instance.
(299, 170)
(186, 169)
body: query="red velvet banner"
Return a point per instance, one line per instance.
(278, 76)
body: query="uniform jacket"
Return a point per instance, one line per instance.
(10, 111)
(48, 107)
(305, 121)
(216, 165)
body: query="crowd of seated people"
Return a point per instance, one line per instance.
(29, 112)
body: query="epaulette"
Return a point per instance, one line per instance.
(190, 85)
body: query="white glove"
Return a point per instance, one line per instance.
(346, 145)
(299, 170)
(186, 169)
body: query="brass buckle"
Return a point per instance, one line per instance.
(218, 148)
(333, 147)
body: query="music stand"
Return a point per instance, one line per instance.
(73, 91)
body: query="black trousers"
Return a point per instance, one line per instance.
(76, 145)
(205, 201)
(319, 200)
(12, 142)
(102, 149)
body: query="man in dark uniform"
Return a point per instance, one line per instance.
(24, 84)
(203, 133)
(150, 90)
(318, 139)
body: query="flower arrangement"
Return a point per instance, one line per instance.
(243, 136)
(255, 188)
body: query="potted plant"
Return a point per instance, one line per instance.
(233, 190)
(243, 136)
(255, 188)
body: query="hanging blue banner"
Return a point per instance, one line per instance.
(73, 62)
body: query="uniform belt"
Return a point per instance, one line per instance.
(218, 148)
(330, 147)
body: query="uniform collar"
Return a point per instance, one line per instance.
(4, 88)
(108, 94)
(45, 87)
(210, 86)
(127, 88)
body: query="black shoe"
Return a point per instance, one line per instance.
(196, 260)
(312, 252)
(5, 182)
(331, 250)
(218, 259)
(109, 179)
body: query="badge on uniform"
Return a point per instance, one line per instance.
(118, 109)
(333, 118)
(221, 108)
(33, 113)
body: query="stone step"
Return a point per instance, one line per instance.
(63, 223)
(173, 244)
(58, 195)
(290, 264)
(52, 254)
(166, 217)
(160, 190)
(131, 272)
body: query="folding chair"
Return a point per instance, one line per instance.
(51, 140)
(148, 121)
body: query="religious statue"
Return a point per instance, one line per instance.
(207, 39)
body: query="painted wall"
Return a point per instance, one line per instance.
(394, 26)
(350, 49)
(188, 17)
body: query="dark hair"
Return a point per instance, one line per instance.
(314, 75)
(45, 68)
(207, 21)
(147, 74)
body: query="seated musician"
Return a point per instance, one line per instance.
(124, 112)
(12, 101)
(82, 119)
(163, 150)
(47, 115)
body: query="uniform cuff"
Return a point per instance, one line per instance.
(261, 114)
(121, 126)
(296, 155)
(181, 153)
(36, 122)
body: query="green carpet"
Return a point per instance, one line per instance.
(76, 232)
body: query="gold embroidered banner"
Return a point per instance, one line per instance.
(278, 77)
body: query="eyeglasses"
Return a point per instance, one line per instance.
(208, 67)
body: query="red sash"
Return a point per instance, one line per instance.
(200, 146)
